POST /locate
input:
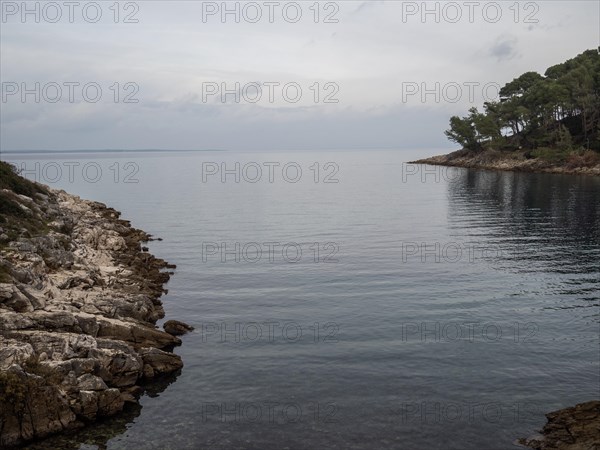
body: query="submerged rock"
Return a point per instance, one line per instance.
(79, 301)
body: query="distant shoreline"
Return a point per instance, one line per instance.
(513, 162)
(108, 150)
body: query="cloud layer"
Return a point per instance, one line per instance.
(340, 75)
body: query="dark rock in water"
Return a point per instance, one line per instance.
(157, 362)
(177, 328)
(574, 428)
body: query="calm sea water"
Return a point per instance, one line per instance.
(443, 309)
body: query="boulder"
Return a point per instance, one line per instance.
(177, 328)
(13, 351)
(158, 362)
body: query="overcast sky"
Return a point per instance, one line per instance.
(361, 69)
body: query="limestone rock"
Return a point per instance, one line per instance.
(89, 382)
(79, 304)
(30, 407)
(158, 362)
(13, 351)
(574, 428)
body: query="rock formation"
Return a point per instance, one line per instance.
(574, 428)
(79, 300)
(514, 162)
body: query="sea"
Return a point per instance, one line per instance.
(351, 299)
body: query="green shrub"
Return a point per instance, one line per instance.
(10, 179)
(585, 158)
(9, 207)
(551, 154)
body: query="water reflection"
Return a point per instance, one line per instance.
(536, 224)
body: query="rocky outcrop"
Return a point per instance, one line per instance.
(79, 300)
(514, 162)
(177, 328)
(574, 428)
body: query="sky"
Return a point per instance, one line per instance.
(267, 75)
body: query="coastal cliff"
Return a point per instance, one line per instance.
(79, 300)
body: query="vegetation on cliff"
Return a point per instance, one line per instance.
(15, 218)
(553, 117)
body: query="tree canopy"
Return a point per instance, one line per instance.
(558, 110)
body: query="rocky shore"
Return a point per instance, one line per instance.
(574, 428)
(79, 300)
(515, 162)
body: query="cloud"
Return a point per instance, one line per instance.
(367, 5)
(505, 49)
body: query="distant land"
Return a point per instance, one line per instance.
(548, 123)
(108, 150)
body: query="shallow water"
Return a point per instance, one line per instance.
(446, 308)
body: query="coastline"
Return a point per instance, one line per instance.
(79, 302)
(513, 162)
